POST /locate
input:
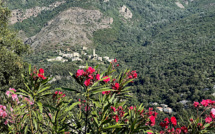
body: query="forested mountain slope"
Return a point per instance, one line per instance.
(170, 43)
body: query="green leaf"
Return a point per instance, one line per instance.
(112, 98)
(96, 67)
(40, 105)
(122, 103)
(26, 129)
(42, 90)
(133, 124)
(21, 94)
(96, 121)
(114, 126)
(96, 103)
(29, 69)
(126, 88)
(86, 65)
(106, 121)
(35, 123)
(23, 91)
(72, 106)
(71, 73)
(124, 84)
(28, 88)
(207, 125)
(101, 90)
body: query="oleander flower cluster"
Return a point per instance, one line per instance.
(201, 123)
(38, 74)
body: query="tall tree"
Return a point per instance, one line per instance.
(11, 51)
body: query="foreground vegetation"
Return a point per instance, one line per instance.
(102, 108)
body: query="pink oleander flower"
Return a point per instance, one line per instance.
(209, 101)
(152, 120)
(79, 73)
(150, 108)
(90, 77)
(4, 108)
(50, 115)
(11, 109)
(87, 109)
(87, 82)
(204, 103)
(44, 77)
(184, 129)
(97, 76)
(134, 74)
(213, 111)
(106, 92)
(130, 76)
(90, 70)
(200, 125)
(131, 108)
(41, 76)
(14, 96)
(196, 104)
(178, 130)
(12, 89)
(115, 60)
(8, 93)
(41, 71)
(208, 119)
(172, 130)
(116, 117)
(6, 122)
(4, 114)
(162, 132)
(31, 102)
(116, 86)
(166, 120)
(113, 108)
(107, 79)
(163, 124)
(174, 121)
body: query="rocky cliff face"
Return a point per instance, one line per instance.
(125, 12)
(19, 15)
(74, 26)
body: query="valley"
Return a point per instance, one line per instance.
(171, 44)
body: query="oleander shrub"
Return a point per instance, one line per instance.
(101, 109)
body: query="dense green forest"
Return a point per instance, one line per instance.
(171, 48)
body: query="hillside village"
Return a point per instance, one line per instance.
(76, 56)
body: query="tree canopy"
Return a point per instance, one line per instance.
(11, 51)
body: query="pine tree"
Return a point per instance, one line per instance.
(12, 50)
